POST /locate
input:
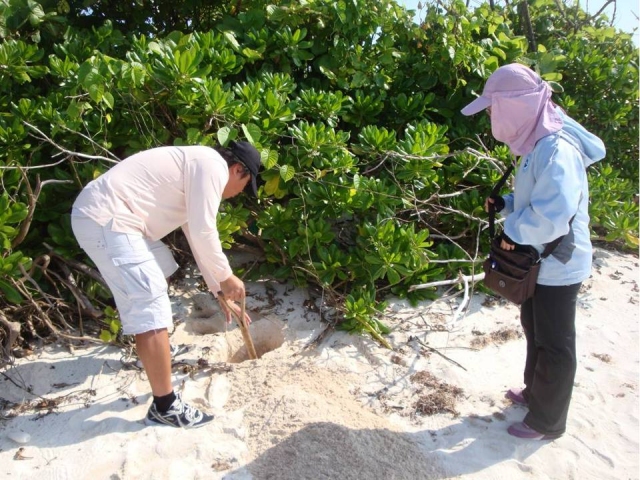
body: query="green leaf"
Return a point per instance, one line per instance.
(73, 110)
(223, 135)
(287, 172)
(632, 239)
(552, 77)
(10, 293)
(556, 87)
(156, 48)
(105, 336)
(37, 14)
(252, 132)
(271, 159)
(393, 276)
(231, 38)
(114, 326)
(492, 63)
(373, 259)
(107, 98)
(251, 54)
(383, 328)
(96, 92)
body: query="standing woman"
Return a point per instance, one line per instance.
(550, 200)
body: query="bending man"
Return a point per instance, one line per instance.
(119, 219)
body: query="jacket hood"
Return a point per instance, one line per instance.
(590, 146)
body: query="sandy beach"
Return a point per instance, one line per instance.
(345, 408)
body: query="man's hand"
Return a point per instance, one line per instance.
(226, 309)
(233, 288)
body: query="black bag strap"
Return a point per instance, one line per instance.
(549, 248)
(492, 209)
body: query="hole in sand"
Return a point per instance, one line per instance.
(267, 335)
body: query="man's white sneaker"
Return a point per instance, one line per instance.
(180, 415)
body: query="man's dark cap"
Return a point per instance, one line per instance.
(250, 158)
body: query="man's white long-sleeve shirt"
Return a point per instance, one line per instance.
(156, 191)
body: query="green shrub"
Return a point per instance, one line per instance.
(373, 180)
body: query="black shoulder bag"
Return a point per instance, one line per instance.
(512, 274)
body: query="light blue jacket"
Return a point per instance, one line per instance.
(551, 187)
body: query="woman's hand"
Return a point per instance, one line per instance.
(496, 201)
(506, 243)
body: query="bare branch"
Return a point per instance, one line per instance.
(523, 8)
(465, 300)
(32, 199)
(47, 321)
(453, 281)
(31, 207)
(92, 142)
(69, 153)
(81, 267)
(431, 349)
(85, 304)
(609, 2)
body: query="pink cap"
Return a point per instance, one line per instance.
(522, 111)
(513, 79)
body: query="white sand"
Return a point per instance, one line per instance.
(342, 410)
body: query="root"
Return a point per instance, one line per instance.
(12, 330)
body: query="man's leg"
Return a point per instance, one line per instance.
(137, 282)
(153, 350)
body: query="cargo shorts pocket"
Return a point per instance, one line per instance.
(141, 275)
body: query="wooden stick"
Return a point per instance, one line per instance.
(246, 335)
